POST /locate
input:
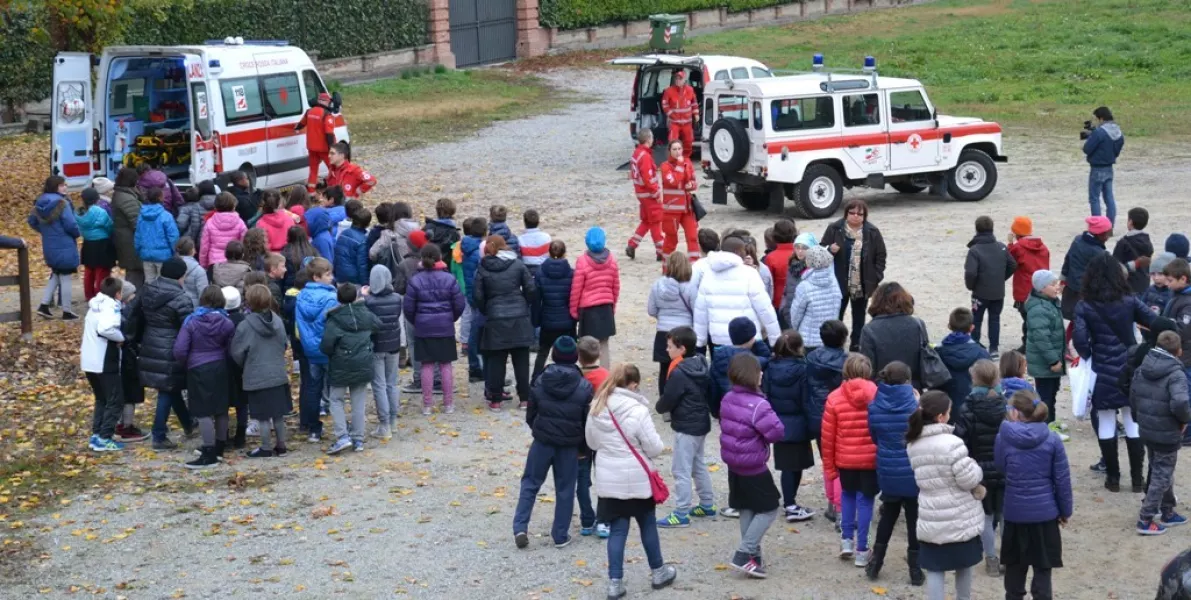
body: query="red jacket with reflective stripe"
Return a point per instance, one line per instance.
(643, 173)
(680, 105)
(320, 129)
(352, 178)
(678, 181)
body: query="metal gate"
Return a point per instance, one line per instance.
(483, 31)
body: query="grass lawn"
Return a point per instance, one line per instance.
(405, 112)
(1029, 64)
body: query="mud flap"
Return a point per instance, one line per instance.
(719, 193)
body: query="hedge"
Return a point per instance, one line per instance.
(333, 28)
(576, 14)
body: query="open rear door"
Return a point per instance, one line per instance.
(72, 125)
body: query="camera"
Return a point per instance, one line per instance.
(1088, 128)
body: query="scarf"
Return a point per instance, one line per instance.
(855, 284)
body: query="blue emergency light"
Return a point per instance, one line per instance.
(817, 62)
(870, 64)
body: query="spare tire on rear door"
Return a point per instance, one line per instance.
(729, 145)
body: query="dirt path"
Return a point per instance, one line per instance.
(428, 515)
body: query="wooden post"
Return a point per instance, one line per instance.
(26, 294)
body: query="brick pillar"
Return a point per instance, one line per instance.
(532, 38)
(439, 28)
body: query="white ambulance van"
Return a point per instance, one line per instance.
(195, 112)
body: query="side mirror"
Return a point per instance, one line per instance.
(336, 102)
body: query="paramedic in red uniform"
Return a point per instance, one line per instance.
(678, 181)
(682, 110)
(644, 176)
(319, 123)
(346, 174)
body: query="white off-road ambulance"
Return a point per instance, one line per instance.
(195, 112)
(808, 136)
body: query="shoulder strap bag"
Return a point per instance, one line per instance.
(657, 485)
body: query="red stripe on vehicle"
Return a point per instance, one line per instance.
(82, 169)
(808, 144)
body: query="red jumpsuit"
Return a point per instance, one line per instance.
(678, 181)
(320, 135)
(682, 110)
(644, 176)
(352, 178)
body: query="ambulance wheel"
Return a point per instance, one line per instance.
(729, 145)
(906, 187)
(820, 193)
(753, 201)
(973, 178)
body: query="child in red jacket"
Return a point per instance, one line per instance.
(595, 288)
(1031, 255)
(849, 453)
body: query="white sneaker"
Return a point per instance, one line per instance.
(254, 428)
(798, 513)
(846, 549)
(862, 557)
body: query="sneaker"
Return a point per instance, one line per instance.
(280, 451)
(43, 311)
(522, 540)
(522, 405)
(357, 446)
(663, 576)
(1173, 519)
(1098, 468)
(705, 510)
(861, 557)
(586, 531)
(449, 409)
(427, 411)
(164, 444)
(69, 316)
(992, 566)
(730, 512)
(494, 406)
(340, 445)
(254, 429)
(260, 453)
(603, 530)
(1150, 528)
(798, 513)
(314, 438)
(631, 252)
(674, 520)
(846, 549)
(616, 589)
(130, 434)
(564, 543)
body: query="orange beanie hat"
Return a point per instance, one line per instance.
(1022, 226)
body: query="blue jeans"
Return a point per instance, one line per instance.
(564, 461)
(649, 540)
(1100, 184)
(311, 398)
(587, 516)
(165, 402)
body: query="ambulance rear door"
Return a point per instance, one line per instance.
(281, 93)
(72, 124)
(202, 140)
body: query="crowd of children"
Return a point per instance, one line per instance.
(973, 459)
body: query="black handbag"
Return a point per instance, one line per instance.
(697, 208)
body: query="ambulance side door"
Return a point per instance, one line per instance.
(72, 121)
(202, 140)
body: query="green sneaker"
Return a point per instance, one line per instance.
(705, 511)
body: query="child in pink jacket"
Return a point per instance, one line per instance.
(595, 289)
(224, 226)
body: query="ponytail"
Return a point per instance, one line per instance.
(931, 406)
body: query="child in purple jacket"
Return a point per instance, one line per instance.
(748, 425)
(1037, 495)
(202, 346)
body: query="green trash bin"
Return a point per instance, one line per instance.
(668, 32)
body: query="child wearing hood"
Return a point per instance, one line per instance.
(258, 350)
(595, 290)
(977, 424)
(888, 420)
(748, 426)
(497, 215)
(786, 388)
(825, 373)
(191, 214)
(685, 402)
(988, 265)
(53, 218)
(1031, 255)
(850, 455)
(222, 228)
(99, 358)
(794, 270)
(202, 347)
(385, 303)
(552, 305)
(156, 233)
(99, 253)
(670, 301)
(433, 302)
(959, 352)
(347, 343)
(1038, 499)
(817, 297)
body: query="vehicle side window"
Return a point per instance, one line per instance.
(721, 75)
(803, 113)
(734, 107)
(202, 112)
(740, 73)
(242, 100)
(861, 110)
(908, 106)
(759, 73)
(313, 85)
(283, 95)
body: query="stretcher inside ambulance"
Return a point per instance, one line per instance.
(194, 112)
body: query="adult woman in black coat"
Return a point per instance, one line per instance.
(503, 293)
(858, 276)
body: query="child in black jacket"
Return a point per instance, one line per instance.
(685, 398)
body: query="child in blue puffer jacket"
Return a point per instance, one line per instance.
(888, 420)
(156, 232)
(785, 385)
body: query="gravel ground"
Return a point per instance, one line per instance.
(428, 514)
